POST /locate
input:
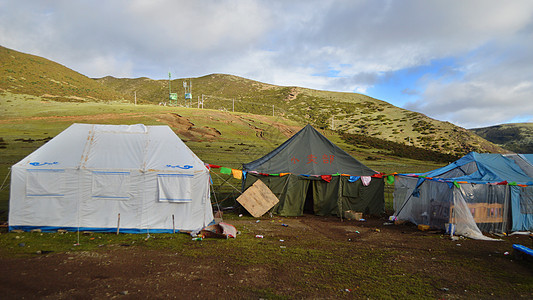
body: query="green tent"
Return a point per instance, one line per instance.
(308, 173)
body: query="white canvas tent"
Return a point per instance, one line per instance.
(89, 174)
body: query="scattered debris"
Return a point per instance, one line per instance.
(259, 236)
(221, 230)
(353, 215)
(423, 227)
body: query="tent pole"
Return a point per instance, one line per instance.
(173, 226)
(339, 200)
(400, 210)
(5, 179)
(212, 188)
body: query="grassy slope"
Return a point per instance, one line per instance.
(33, 75)
(345, 112)
(28, 122)
(517, 137)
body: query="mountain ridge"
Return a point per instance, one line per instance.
(349, 113)
(515, 137)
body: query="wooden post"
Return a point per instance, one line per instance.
(118, 223)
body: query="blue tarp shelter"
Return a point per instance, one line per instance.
(478, 192)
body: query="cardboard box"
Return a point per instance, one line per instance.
(353, 215)
(423, 227)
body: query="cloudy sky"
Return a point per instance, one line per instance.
(467, 62)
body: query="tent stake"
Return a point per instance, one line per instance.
(118, 223)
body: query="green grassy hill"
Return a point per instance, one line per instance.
(516, 137)
(348, 113)
(344, 112)
(33, 75)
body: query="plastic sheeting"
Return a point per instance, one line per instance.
(438, 205)
(477, 193)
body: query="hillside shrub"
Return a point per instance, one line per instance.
(397, 149)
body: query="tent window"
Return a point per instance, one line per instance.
(110, 185)
(526, 200)
(45, 183)
(174, 187)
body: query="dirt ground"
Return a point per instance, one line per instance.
(452, 267)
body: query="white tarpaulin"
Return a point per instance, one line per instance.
(89, 174)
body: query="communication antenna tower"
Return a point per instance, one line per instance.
(172, 97)
(188, 92)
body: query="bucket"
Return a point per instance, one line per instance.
(450, 228)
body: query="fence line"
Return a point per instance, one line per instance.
(201, 101)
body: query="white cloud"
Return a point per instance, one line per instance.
(329, 44)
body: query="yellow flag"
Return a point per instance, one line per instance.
(237, 174)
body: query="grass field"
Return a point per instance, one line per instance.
(315, 257)
(27, 122)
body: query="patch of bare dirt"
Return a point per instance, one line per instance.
(137, 272)
(293, 93)
(186, 129)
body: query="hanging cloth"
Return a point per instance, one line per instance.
(237, 174)
(326, 178)
(224, 170)
(353, 178)
(366, 180)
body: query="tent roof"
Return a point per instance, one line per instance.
(116, 147)
(482, 168)
(308, 152)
